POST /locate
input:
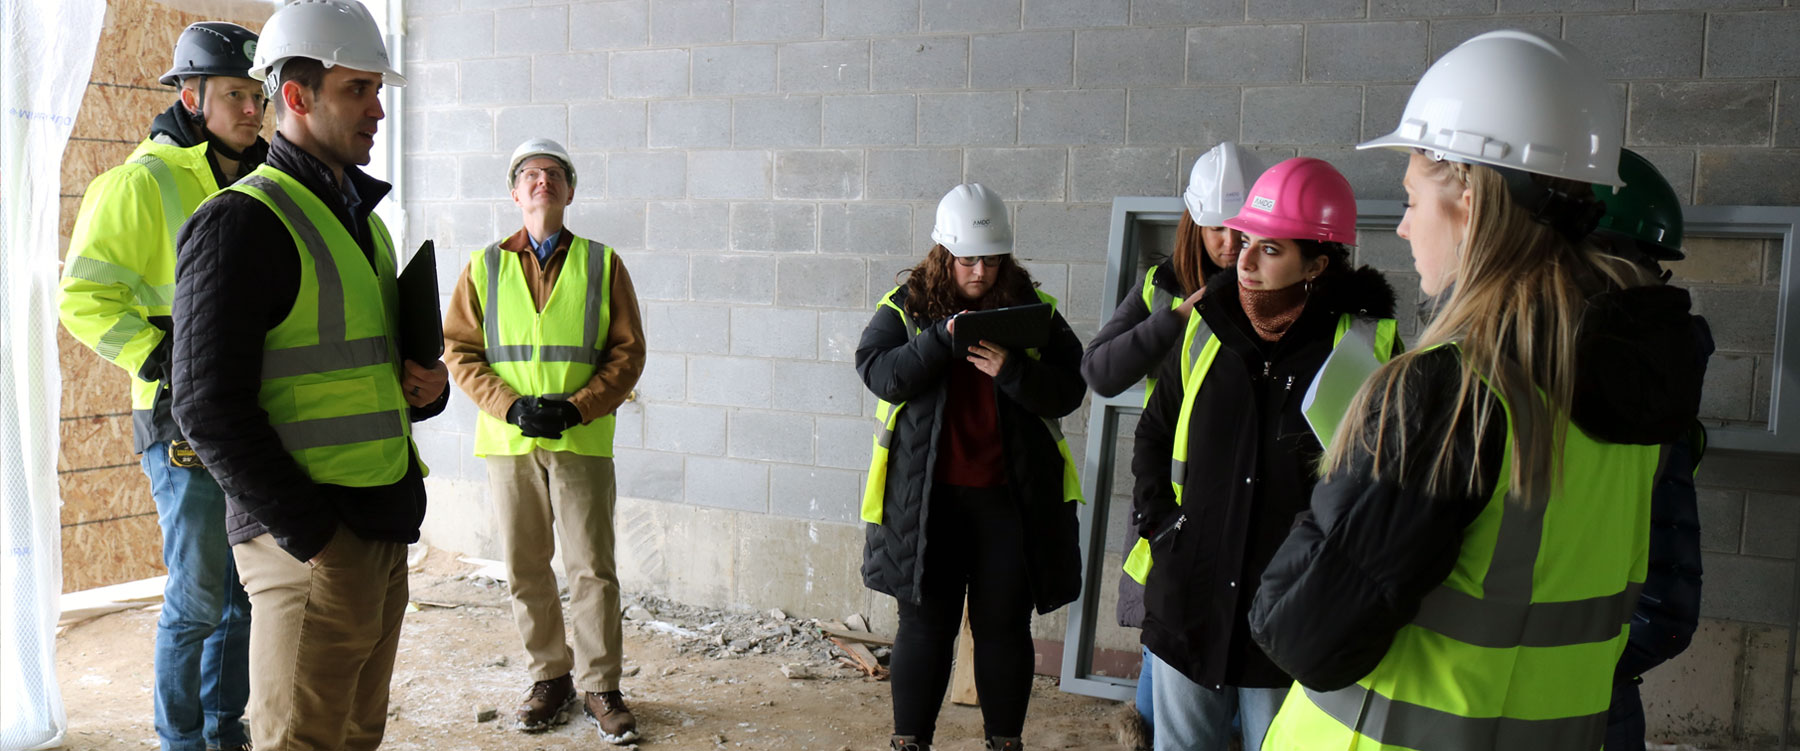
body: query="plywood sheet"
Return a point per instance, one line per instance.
(69, 207)
(137, 41)
(91, 385)
(97, 495)
(119, 112)
(111, 552)
(95, 442)
(85, 160)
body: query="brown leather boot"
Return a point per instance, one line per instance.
(548, 704)
(609, 714)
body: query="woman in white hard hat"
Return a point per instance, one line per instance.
(1472, 555)
(1146, 325)
(971, 487)
(1224, 455)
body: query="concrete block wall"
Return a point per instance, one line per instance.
(765, 167)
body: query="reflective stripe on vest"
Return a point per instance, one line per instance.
(1516, 649)
(887, 416)
(1155, 299)
(536, 351)
(333, 398)
(1196, 362)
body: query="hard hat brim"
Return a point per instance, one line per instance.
(1283, 228)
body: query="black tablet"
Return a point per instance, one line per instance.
(1016, 328)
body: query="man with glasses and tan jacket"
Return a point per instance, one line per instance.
(544, 336)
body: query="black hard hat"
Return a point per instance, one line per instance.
(212, 48)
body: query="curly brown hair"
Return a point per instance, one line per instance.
(931, 287)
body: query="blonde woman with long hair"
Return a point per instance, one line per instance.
(1464, 576)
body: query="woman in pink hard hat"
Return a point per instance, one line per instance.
(1224, 456)
(1471, 558)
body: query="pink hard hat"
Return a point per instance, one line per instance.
(1300, 199)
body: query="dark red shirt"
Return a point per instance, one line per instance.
(970, 453)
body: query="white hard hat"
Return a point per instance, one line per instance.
(1515, 99)
(1217, 185)
(539, 147)
(333, 32)
(971, 221)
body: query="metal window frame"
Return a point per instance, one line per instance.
(1781, 436)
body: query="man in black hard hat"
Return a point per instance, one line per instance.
(117, 288)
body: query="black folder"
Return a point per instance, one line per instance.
(421, 320)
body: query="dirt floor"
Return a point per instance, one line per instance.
(697, 679)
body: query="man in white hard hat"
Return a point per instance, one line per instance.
(548, 371)
(114, 298)
(294, 394)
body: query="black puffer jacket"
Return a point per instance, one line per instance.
(1250, 468)
(1135, 340)
(899, 367)
(237, 274)
(1357, 566)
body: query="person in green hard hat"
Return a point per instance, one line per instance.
(1643, 223)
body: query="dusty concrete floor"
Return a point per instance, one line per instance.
(458, 660)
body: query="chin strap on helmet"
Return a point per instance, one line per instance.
(1572, 215)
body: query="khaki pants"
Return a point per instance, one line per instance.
(322, 641)
(573, 495)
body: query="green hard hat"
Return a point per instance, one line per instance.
(1646, 210)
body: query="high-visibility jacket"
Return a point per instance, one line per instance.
(120, 269)
(331, 370)
(1199, 347)
(888, 416)
(550, 353)
(1155, 299)
(1516, 649)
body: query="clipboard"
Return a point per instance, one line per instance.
(421, 320)
(1016, 328)
(1328, 399)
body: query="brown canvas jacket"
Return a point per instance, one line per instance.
(465, 347)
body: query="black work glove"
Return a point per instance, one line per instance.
(156, 365)
(523, 413)
(548, 418)
(561, 413)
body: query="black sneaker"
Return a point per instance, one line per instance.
(907, 743)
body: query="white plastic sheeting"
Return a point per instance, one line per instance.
(46, 54)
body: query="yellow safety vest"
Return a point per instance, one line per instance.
(331, 370)
(1196, 362)
(888, 416)
(552, 353)
(1155, 298)
(120, 270)
(1516, 649)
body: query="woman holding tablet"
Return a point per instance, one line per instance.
(1473, 554)
(971, 488)
(1224, 457)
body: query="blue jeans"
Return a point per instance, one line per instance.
(1146, 704)
(203, 636)
(1192, 717)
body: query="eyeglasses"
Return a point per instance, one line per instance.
(988, 261)
(553, 174)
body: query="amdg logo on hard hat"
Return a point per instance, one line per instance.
(1263, 203)
(981, 222)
